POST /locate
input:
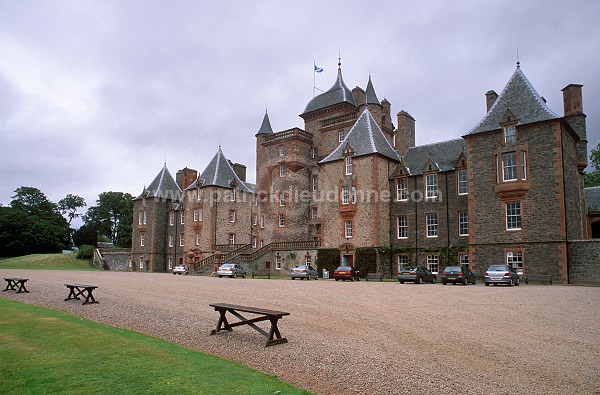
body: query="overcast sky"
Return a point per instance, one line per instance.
(95, 96)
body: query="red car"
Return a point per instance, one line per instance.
(345, 273)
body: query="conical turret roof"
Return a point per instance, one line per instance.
(265, 127)
(370, 95)
(338, 93)
(220, 173)
(163, 185)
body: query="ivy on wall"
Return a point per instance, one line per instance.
(328, 259)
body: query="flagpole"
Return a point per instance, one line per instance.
(314, 77)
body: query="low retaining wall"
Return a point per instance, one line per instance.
(112, 259)
(584, 262)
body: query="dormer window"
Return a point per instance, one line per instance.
(431, 186)
(281, 150)
(348, 161)
(341, 136)
(510, 134)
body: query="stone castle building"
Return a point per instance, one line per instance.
(510, 190)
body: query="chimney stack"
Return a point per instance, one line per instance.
(239, 169)
(572, 99)
(405, 135)
(185, 177)
(490, 98)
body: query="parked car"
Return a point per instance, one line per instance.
(458, 275)
(501, 274)
(304, 271)
(345, 273)
(181, 269)
(231, 270)
(416, 274)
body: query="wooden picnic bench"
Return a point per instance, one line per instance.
(76, 290)
(374, 276)
(15, 284)
(538, 277)
(263, 315)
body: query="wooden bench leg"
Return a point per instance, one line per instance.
(222, 322)
(72, 294)
(89, 298)
(22, 287)
(275, 332)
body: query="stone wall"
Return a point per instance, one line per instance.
(113, 259)
(584, 262)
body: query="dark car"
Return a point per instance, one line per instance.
(416, 274)
(501, 274)
(345, 273)
(458, 275)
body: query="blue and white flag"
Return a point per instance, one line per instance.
(318, 69)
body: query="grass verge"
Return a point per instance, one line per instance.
(47, 262)
(45, 351)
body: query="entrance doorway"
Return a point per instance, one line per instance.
(347, 260)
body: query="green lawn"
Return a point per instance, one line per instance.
(48, 262)
(44, 351)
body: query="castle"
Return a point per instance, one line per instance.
(510, 190)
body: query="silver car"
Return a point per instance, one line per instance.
(231, 270)
(304, 271)
(181, 269)
(501, 274)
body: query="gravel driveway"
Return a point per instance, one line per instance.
(362, 337)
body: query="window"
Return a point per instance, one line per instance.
(463, 223)
(255, 219)
(401, 189)
(513, 215)
(197, 238)
(431, 182)
(196, 215)
(308, 260)
(200, 214)
(463, 259)
(515, 260)
(281, 220)
(231, 215)
(281, 150)
(261, 243)
(170, 263)
(199, 194)
(313, 152)
(509, 166)
(431, 220)
(313, 213)
(255, 200)
(348, 229)
(348, 165)
(142, 239)
(402, 227)
(262, 221)
(282, 170)
(462, 182)
(254, 241)
(345, 195)
(524, 164)
(141, 262)
(341, 136)
(315, 182)
(182, 217)
(233, 194)
(142, 217)
(432, 263)
(170, 239)
(282, 199)
(510, 134)
(171, 217)
(181, 240)
(353, 195)
(232, 239)
(277, 262)
(402, 262)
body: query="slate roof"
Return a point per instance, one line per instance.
(443, 154)
(338, 93)
(521, 98)
(370, 95)
(265, 127)
(592, 199)
(163, 185)
(220, 173)
(365, 137)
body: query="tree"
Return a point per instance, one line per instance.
(112, 216)
(592, 179)
(85, 235)
(69, 205)
(32, 224)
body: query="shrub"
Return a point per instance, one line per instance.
(85, 252)
(366, 260)
(328, 259)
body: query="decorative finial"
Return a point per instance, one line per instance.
(518, 63)
(339, 59)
